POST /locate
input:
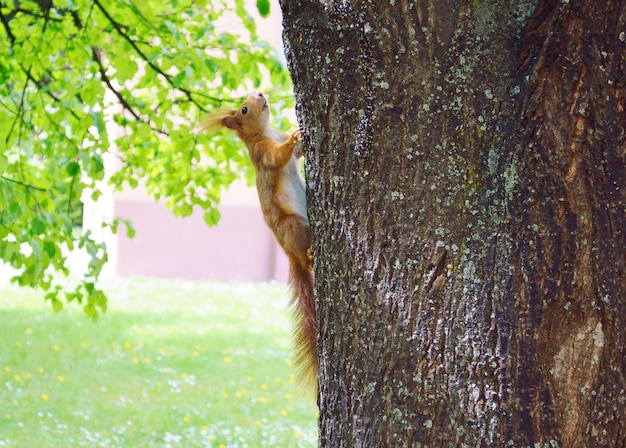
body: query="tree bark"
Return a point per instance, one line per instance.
(466, 171)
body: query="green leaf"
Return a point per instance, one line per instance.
(178, 79)
(130, 230)
(264, 7)
(37, 226)
(3, 158)
(15, 208)
(90, 310)
(72, 169)
(98, 121)
(212, 216)
(185, 209)
(36, 247)
(49, 248)
(8, 249)
(57, 305)
(98, 299)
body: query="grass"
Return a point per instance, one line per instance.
(171, 363)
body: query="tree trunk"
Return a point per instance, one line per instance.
(466, 170)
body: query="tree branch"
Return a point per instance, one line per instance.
(69, 196)
(105, 78)
(20, 106)
(25, 185)
(45, 15)
(40, 83)
(5, 22)
(118, 27)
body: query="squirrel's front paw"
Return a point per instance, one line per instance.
(296, 135)
(296, 138)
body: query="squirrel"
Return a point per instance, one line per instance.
(274, 155)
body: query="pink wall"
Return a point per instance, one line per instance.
(240, 247)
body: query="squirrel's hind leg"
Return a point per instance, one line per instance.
(297, 241)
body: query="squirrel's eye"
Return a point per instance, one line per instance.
(244, 110)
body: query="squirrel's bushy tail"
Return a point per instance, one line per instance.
(305, 324)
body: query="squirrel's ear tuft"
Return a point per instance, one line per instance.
(217, 120)
(231, 122)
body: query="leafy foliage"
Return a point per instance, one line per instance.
(86, 81)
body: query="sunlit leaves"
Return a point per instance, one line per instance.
(89, 80)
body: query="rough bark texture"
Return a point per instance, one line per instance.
(466, 165)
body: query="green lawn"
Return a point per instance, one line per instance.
(171, 363)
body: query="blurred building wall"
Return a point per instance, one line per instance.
(241, 247)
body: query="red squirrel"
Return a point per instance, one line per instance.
(274, 155)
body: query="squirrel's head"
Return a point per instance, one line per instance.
(252, 115)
